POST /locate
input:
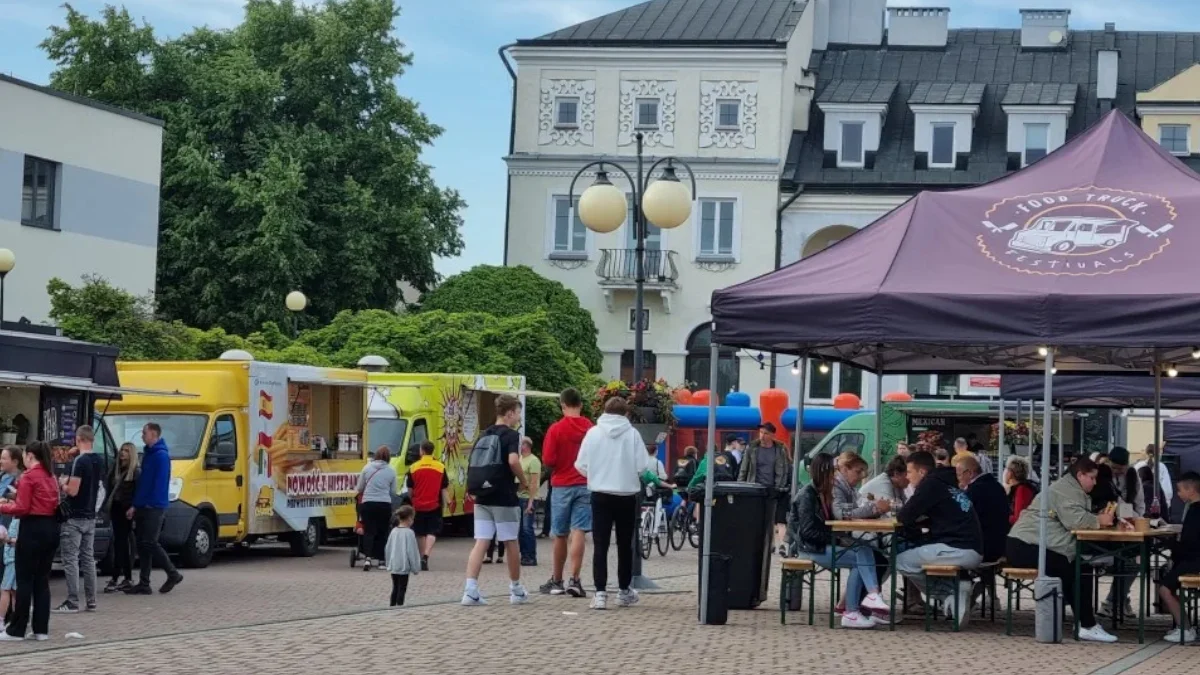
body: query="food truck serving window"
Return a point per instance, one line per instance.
(181, 432)
(326, 418)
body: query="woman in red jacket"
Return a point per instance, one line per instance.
(1021, 490)
(36, 504)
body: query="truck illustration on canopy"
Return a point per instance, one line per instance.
(1065, 234)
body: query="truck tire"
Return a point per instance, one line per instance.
(198, 550)
(306, 544)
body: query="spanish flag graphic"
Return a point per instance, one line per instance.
(264, 447)
(266, 406)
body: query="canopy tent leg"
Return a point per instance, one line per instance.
(1046, 623)
(1000, 442)
(1030, 436)
(1158, 434)
(799, 448)
(709, 453)
(1060, 442)
(877, 467)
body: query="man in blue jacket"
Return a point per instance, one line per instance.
(149, 509)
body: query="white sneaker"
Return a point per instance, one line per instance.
(5, 637)
(964, 602)
(41, 637)
(875, 601)
(1179, 637)
(1096, 634)
(627, 598)
(469, 600)
(883, 620)
(600, 600)
(517, 595)
(367, 566)
(856, 620)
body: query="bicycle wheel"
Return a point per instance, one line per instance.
(663, 539)
(677, 528)
(645, 532)
(693, 530)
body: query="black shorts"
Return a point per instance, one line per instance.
(1186, 568)
(427, 523)
(781, 509)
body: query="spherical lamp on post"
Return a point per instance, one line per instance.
(295, 301)
(602, 207)
(8, 260)
(667, 202)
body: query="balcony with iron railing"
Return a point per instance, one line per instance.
(618, 268)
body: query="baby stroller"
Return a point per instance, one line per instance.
(357, 554)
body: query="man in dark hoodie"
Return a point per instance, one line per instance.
(954, 536)
(150, 500)
(570, 501)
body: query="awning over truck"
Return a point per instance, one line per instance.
(329, 382)
(78, 384)
(515, 392)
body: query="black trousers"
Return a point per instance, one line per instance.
(399, 588)
(546, 519)
(377, 524)
(149, 524)
(34, 556)
(609, 511)
(122, 543)
(1025, 555)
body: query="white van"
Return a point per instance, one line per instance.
(1066, 234)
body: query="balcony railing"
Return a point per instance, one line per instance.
(618, 266)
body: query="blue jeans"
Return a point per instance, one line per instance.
(527, 538)
(861, 563)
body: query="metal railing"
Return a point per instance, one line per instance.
(619, 265)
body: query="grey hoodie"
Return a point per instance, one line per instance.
(613, 457)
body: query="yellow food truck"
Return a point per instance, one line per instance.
(262, 450)
(450, 410)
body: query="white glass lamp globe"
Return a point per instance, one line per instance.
(603, 207)
(8, 260)
(296, 301)
(667, 202)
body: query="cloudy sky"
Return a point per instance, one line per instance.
(460, 83)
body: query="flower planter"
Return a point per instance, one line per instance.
(651, 432)
(648, 415)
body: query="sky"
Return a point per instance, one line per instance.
(459, 82)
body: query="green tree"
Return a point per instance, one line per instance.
(290, 161)
(513, 291)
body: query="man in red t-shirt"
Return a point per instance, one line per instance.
(430, 490)
(570, 501)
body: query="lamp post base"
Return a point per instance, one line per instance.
(642, 582)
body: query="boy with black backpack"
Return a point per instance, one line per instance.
(492, 476)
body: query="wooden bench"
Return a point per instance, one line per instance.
(1189, 599)
(803, 572)
(941, 572)
(1016, 579)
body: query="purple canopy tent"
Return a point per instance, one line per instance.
(1182, 439)
(1104, 390)
(1082, 262)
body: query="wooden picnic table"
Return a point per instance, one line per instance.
(859, 527)
(1101, 543)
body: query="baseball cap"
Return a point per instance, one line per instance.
(768, 427)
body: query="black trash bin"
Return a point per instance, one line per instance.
(718, 591)
(741, 529)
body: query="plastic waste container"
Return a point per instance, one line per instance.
(718, 591)
(741, 529)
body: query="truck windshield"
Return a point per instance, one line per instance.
(389, 433)
(182, 433)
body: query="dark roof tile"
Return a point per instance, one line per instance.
(657, 22)
(857, 91)
(947, 93)
(1041, 93)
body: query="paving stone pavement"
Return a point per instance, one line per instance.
(263, 612)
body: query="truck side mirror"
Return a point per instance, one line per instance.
(222, 457)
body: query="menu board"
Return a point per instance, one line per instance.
(60, 416)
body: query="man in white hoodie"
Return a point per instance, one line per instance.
(613, 458)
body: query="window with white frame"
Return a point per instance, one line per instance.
(1174, 137)
(633, 321)
(718, 228)
(850, 152)
(941, 151)
(647, 113)
(569, 232)
(827, 380)
(1037, 142)
(566, 111)
(729, 114)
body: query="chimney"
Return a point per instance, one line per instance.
(1044, 28)
(854, 22)
(1108, 61)
(918, 26)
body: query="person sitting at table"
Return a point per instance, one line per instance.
(954, 537)
(1185, 553)
(811, 511)
(890, 485)
(941, 457)
(1021, 490)
(963, 449)
(991, 506)
(851, 469)
(1068, 506)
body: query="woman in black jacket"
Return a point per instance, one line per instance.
(124, 481)
(814, 538)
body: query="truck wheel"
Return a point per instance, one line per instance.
(201, 543)
(305, 544)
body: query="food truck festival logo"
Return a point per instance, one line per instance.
(1085, 231)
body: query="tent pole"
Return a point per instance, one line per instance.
(796, 456)
(1158, 434)
(1047, 393)
(1030, 434)
(1000, 443)
(1060, 441)
(709, 453)
(878, 457)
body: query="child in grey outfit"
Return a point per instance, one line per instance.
(403, 554)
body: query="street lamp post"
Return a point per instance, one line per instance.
(296, 301)
(603, 208)
(8, 261)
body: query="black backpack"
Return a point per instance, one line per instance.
(725, 467)
(685, 468)
(487, 470)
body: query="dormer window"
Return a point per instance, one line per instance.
(944, 117)
(566, 112)
(854, 113)
(1037, 119)
(941, 154)
(1037, 142)
(850, 152)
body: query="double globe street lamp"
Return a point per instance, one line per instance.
(667, 204)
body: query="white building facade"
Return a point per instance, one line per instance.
(79, 194)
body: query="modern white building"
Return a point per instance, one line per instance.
(79, 194)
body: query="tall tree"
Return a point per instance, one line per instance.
(289, 161)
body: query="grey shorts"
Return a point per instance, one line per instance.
(503, 523)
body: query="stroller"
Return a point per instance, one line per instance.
(357, 554)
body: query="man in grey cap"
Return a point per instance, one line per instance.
(766, 462)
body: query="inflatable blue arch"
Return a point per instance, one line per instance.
(746, 417)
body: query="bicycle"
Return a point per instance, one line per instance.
(683, 527)
(654, 527)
